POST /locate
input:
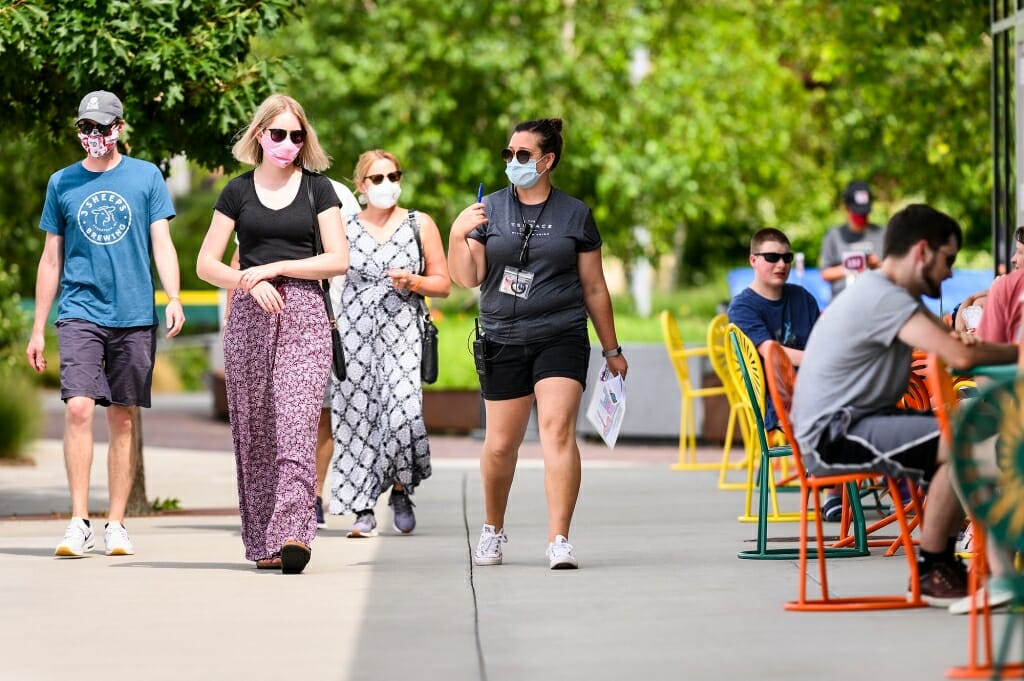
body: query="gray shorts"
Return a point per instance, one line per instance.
(110, 365)
(896, 442)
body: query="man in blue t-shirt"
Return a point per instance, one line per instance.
(103, 217)
(770, 309)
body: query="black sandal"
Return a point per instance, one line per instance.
(294, 557)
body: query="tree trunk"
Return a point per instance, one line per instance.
(138, 504)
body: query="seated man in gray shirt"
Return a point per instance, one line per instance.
(857, 365)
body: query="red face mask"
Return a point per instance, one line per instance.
(858, 220)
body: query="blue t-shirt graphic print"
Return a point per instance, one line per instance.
(105, 221)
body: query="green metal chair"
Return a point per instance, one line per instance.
(765, 482)
(995, 501)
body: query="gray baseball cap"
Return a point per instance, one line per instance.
(100, 106)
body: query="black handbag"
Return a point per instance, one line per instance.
(337, 350)
(428, 331)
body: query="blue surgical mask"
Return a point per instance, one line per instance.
(522, 175)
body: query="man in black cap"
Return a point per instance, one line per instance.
(106, 218)
(854, 246)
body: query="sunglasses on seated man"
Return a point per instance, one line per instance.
(775, 257)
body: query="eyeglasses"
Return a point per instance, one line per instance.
(395, 177)
(88, 127)
(278, 135)
(775, 257)
(523, 155)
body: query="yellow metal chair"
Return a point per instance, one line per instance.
(752, 365)
(680, 355)
(718, 346)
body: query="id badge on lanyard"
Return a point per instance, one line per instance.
(516, 282)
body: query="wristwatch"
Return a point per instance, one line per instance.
(612, 353)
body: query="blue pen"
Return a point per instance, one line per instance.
(480, 193)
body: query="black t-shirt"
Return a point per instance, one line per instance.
(266, 235)
(560, 231)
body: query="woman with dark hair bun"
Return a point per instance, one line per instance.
(535, 252)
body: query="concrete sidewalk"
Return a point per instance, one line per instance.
(660, 593)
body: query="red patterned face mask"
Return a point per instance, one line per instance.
(99, 145)
(858, 220)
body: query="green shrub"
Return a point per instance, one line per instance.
(14, 322)
(19, 412)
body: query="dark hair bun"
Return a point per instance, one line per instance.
(556, 124)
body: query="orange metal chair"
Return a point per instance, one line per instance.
(917, 397)
(781, 380)
(979, 620)
(680, 355)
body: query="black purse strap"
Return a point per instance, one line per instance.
(318, 247)
(422, 263)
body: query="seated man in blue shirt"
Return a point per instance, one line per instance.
(772, 310)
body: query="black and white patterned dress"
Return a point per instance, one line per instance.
(377, 411)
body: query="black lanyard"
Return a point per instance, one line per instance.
(528, 228)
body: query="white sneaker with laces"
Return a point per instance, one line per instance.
(115, 538)
(560, 554)
(78, 539)
(488, 549)
(998, 593)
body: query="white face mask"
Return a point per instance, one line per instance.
(384, 195)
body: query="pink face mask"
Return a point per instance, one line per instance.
(282, 154)
(98, 145)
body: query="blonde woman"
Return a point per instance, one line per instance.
(277, 349)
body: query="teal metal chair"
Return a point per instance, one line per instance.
(762, 552)
(995, 501)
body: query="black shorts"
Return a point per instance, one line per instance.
(513, 370)
(110, 365)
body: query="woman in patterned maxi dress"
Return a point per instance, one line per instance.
(377, 412)
(277, 348)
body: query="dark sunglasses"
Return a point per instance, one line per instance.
(395, 177)
(278, 135)
(775, 257)
(88, 127)
(950, 259)
(523, 155)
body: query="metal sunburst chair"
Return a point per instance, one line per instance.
(747, 361)
(679, 355)
(767, 454)
(995, 503)
(718, 349)
(781, 380)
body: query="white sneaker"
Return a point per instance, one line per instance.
(488, 549)
(560, 554)
(78, 539)
(965, 542)
(998, 593)
(115, 538)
